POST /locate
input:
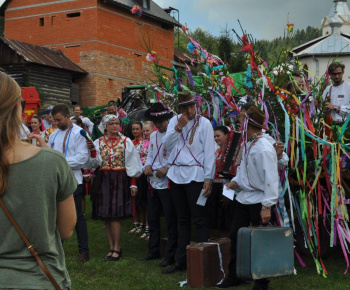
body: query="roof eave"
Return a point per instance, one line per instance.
(311, 42)
(113, 3)
(320, 54)
(3, 7)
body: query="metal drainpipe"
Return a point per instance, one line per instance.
(317, 65)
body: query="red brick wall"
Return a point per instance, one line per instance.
(104, 41)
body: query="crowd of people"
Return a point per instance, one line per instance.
(169, 167)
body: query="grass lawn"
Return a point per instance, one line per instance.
(129, 273)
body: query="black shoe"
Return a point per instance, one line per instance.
(149, 257)
(166, 263)
(109, 254)
(84, 257)
(261, 285)
(229, 282)
(174, 268)
(114, 259)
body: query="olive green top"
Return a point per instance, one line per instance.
(35, 187)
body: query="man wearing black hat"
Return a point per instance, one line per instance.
(156, 168)
(190, 138)
(256, 186)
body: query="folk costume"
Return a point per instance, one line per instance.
(191, 161)
(118, 161)
(47, 133)
(73, 146)
(257, 187)
(219, 208)
(340, 97)
(141, 147)
(159, 196)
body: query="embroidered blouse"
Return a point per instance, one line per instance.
(141, 145)
(191, 156)
(118, 154)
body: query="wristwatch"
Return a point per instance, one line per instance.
(264, 207)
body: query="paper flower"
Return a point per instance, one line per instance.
(152, 56)
(191, 47)
(136, 10)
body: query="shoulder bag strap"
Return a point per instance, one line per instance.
(30, 247)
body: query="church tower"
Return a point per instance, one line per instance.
(340, 10)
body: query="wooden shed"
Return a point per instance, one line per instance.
(48, 70)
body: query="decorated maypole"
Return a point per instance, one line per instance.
(315, 184)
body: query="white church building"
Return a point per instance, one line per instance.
(334, 44)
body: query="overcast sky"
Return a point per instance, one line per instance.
(264, 19)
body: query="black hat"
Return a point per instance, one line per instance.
(158, 113)
(185, 99)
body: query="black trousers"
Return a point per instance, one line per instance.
(158, 199)
(81, 227)
(244, 216)
(185, 197)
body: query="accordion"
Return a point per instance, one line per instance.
(231, 155)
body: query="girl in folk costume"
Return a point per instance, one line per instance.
(219, 207)
(51, 129)
(35, 125)
(118, 160)
(140, 201)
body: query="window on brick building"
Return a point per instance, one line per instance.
(41, 21)
(110, 84)
(53, 20)
(72, 15)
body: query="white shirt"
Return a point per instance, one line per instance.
(47, 124)
(157, 158)
(23, 132)
(283, 162)
(133, 163)
(257, 175)
(340, 97)
(77, 153)
(190, 162)
(87, 122)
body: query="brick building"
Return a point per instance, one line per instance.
(101, 36)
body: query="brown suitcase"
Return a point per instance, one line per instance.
(203, 262)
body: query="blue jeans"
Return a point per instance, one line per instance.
(81, 227)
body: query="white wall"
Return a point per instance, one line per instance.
(323, 65)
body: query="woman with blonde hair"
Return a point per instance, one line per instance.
(42, 207)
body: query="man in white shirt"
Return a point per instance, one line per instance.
(337, 95)
(256, 186)
(68, 140)
(77, 114)
(190, 140)
(156, 168)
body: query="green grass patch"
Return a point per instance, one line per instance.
(129, 273)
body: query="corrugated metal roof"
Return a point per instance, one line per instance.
(155, 11)
(330, 44)
(42, 55)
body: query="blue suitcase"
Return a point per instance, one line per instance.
(264, 252)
